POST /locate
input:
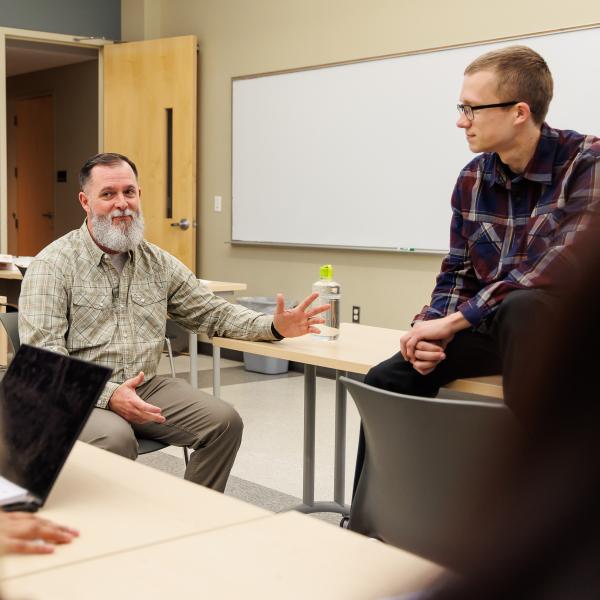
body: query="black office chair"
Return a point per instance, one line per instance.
(425, 462)
(10, 321)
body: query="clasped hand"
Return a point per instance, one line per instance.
(424, 345)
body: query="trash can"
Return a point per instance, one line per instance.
(254, 362)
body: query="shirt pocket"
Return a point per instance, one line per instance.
(92, 320)
(485, 241)
(149, 303)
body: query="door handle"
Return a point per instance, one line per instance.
(183, 224)
(48, 215)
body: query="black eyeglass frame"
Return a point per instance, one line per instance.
(465, 109)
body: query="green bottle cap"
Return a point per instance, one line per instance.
(326, 272)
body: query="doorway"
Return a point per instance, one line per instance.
(52, 127)
(32, 214)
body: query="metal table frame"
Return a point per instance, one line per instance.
(309, 505)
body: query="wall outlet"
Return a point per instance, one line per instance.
(218, 204)
(356, 314)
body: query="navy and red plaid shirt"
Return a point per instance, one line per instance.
(511, 234)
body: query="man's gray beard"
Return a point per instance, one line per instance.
(118, 237)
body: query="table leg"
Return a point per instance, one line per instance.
(308, 478)
(193, 348)
(339, 473)
(310, 389)
(216, 371)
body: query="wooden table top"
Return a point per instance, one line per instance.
(288, 555)
(358, 348)
(118, 504)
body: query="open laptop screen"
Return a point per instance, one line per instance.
(45, 401)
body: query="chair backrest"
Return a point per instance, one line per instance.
(426, 460)
(10, 322)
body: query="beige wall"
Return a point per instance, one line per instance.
(75, 92)
(239, 37)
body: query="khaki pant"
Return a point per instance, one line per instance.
(210, 427)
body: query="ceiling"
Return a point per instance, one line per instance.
(26, 57)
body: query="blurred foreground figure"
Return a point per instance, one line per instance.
(539, 537)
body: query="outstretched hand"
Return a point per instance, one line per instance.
(299, 320)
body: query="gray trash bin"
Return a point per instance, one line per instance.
(254, 362)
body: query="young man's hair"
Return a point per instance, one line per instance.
(523, 75)
(109, 159)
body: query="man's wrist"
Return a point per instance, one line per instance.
(276, 333)
(457, 322)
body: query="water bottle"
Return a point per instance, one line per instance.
(329, 293)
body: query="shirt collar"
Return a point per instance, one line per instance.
(540, 167)
(94, 250)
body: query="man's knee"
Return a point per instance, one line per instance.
(112, 434)
(225, 421)
(376, 376)
(398, 375)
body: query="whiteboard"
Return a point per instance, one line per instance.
(366, 154)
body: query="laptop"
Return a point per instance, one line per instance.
(45, 400)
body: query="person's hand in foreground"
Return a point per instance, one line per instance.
(299, 320)
(127, 404)
(26, 533)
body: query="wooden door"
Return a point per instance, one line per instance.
(34, 180)
(150, 109)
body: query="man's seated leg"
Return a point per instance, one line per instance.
(516, 326)
(211, 427)
(471, 353)
(107, 430)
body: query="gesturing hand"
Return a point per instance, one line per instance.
(24, 533)
(300, 320)
(127, 404)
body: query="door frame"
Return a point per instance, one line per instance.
(7, 33)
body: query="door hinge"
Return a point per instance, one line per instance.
(15, 120)
(16, 172)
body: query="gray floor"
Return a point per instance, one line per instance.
(268, 468)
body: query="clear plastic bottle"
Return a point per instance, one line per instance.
(329, 293)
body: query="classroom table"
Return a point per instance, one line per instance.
(358, 348)
(11, 272)
(288, 555)
(119, 505)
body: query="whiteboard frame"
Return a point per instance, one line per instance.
(430, 50)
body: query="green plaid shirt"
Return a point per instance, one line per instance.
(73, 301)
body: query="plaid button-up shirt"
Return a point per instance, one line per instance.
(510, 234)
(74, 301)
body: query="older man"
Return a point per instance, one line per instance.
(102, 293)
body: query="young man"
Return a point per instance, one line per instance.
(516, 210)
(102, 293)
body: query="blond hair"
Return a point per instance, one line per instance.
(523, 75)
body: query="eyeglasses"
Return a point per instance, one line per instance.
(469, 111)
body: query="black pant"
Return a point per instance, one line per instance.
(498, 345)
